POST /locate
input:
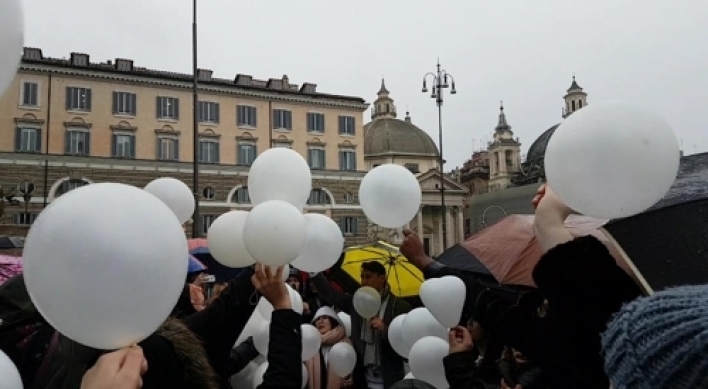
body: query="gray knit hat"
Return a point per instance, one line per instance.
(660, 342)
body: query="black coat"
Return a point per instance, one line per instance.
(584, 287)
(462, 372)
(391, 363)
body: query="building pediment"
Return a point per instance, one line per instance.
(430, 182)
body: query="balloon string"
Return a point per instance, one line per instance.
(253, 300)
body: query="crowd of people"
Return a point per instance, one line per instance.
(586, 326)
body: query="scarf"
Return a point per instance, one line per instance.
(314, 365)
(371, 338)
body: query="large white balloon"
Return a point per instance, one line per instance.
(395, 336)
(8, 371)
(444, 297)
(426, 361)
(612, 160)
(390, 195)
(12, 38)
(420, 323)
(254, 324)
(176, 194)
(106, 264)
(280, 174)
(265, 309)
(225, 240)
(311, 341)
(342, 359)
(275, 233)
(367, 302)
(261, 339)
(346, 321)
(324, 244)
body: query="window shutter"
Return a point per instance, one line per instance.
(309, 158)
(255, 153)
(38, 141)
(158, 148)
(67, 142)
(88, 99)
(158, 111)
(132, 146)
(342, 162)
(353, 122)
(289, 119)
(115, 102)
(323, 165)
(175, 102)
(133, 98)
(199, 111)
(18, 138)
(322, 117)
(114, 145)
(353, 154)
(216, 112)
(275, 119)
(239, 115)
(355, 226)
(254, 116)
(68, 98)
(341, 125)
(88, 143)
(218, 158)
(176, 144)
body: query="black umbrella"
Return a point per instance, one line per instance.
(668, 244)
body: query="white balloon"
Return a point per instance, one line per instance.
(367, 302)
(280, 174)
(275, 233)
(265, 309)
(253, 325)
(390, 195)
(12, 39)
(409, 376)
(261, 339)
(420, 323)
(225, 240)
(347, 322)
(426, 361)
(324, 244)
(8, 371)
(261, 369)
(342, 359)
(444, 297)
(245, 377)
(612, 160)
(305, 376)
(176, 194)
(311, 341)
(395, 336)
(106, 264)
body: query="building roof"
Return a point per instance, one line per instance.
(394, 136)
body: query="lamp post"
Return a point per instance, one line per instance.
(196, 223)
(441, 80)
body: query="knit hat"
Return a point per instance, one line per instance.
(660, 341)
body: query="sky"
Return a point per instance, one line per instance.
(523, 52)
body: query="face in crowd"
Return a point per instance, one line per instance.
(373, 274)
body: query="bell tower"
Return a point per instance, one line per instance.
(504, 154)
(575, 99)
(384, 107)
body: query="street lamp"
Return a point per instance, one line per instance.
(441, 80)
(196, 223)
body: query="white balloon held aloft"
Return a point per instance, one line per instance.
(612, 160)
(324, 244)
(260, 371)
(342, 359)
(111, 279)
(347, 322)
(420, 323)
(395, 336)
(225, 240)
(12, 39)
(444, 297)
(390, 195)
(254, 324)
(176, 194)
(280, 174)
(265, 309)
(426, 361)
(261, 339)
(367, 302)
(275, 233)
(311, 341)
(10, 375)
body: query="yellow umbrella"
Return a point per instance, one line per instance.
(403, 278)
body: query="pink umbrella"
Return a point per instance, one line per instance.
(9, 267)
(197, 243)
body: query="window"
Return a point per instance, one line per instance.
(167, 108)
(315, 122)
(125, 103)
(349, 225)
(167, 148)
(246, 116)
(123, 145)
(283, 144)
(413, 167)
(347, 160)
(78, 99)
(316, 158)
(318, 197)
(346, 125)
(78, 141)
(28, 139)
(282, 119)
(209, 193)
(241, 196)
(349, 197)
(30, 94)
(25, 218)
(206, 222)
(208, 112)
(69, 185)
(208, 151)
(246, 153)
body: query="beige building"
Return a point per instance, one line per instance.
(391, 140)
(70, 122)
(504, 154)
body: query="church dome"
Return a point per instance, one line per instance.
(394, 136)
(537, 151)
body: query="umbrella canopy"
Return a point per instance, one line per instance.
(668, 244)
(9, 267)
(508, 250)
(195, 265)
(403, 278)
(200, 251)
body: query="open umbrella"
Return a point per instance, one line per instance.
(195, 265)
(9, 267)
(199, 250)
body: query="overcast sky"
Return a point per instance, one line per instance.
(524, 52)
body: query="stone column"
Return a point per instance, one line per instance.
(419, 226)
(450, 228)
(460, 224)
(439, 242)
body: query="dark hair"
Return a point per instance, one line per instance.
(334, 323)
(374, 267)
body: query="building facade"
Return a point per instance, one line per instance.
(71, 122)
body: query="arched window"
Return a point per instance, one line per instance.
(241, 196)
(69, 185)
(572, 104)
(319, 197)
